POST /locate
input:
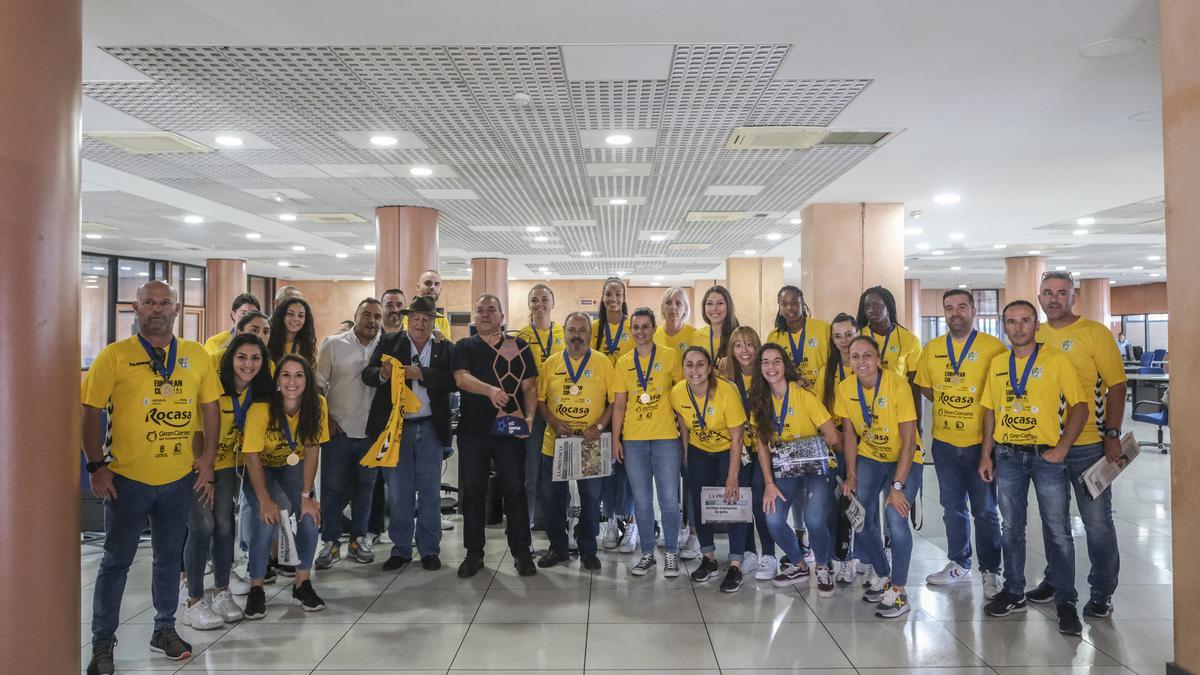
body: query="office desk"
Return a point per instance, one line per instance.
(1153, 380)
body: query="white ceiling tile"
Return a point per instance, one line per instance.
(355, 170)
(362, 139)
(618, 169)
(617, 62)
(289, 170)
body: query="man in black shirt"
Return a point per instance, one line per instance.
(497, 376)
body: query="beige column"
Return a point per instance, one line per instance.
(40, 80)
(912, 303)
(224, 280)
(1092, 300)
(754, 284)
(1023, 278)
(406, 244)
(1180, 30)
(845, 248)
(490, 275)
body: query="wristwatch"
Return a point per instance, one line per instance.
(599, 427)
(1112, 433)
(93, 467)
(897, 486)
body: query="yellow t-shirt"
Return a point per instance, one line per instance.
(654, 420)
(1052, 388)
(705, 338)
(270, 443)
(680, 341)
(217, 342)
(903, 350)
(624, 342)
(957, 417)
(805, 414)
(440, 323)
(151, 433)
(723, 412)
(892, 406)
(1092, 351)
(581, 410)
(537, 339)
(385, 449)
(812, 343)
(229, 447)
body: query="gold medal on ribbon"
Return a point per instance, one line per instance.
(644, 398)
(166, 389)
(293, 459)
(575, 390)
(1017, 407)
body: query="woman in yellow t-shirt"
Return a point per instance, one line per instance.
(611, 336)
(645, 439)
(244, 380)
(719, 322)
(841, 331)
(544, 338)
(882, 453)
(281, 448)
(674, 331)
(788, 416)
(711, 417)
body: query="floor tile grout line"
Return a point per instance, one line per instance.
(703, 619)
(471, 623)
(587, 626)
(355, 622)
(828, 632)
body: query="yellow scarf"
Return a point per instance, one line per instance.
(386, 449)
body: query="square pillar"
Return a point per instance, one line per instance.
(753, 285)
(846, 248)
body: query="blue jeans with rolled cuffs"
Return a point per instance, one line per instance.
(286, 482)
(819, 491)
(651, 464)
(211, 532)
(710, 469)
(1098, 526)
(965, 498)
(1014, 471)
(874, 481)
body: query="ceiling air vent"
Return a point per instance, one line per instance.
(775, 138)
(148, 142)
(855, 137)
(716, 216)
(331, 218)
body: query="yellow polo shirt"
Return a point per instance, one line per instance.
(539, 339)
(1092, 351)
(892, 406)
(581, 410)
(902, 352)
(1052, 388)
(685, 337)
(654, 420)
(271, 446)
(723, 412)
(624, 342)
(957, 416)
(812, 347)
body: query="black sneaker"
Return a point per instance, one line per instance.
(395, 562)
(707, 570)
(590, 561)
(1068, 620)
(167, 642)
(551, 558)
(307, 598)
(1004, 604)
(1043, 593)
(524, 565)
(431, 562)
(102, 659)
(471, 566)
(256, 603)
(1099, 609)
(732, 581)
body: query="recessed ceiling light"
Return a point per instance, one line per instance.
(957, 236)
(1155, 274)
(86, 286)
(193, 219)
(774, 236)
(277, 197)
(998, 246)
(955, 268)
(1149, 257)
(1139, 267)
(421, 171)
(787, 263)
(287, 217)
(655, 283)
(533, 228)
(750, 251)
(659, 277)
(1088, 220)
(1060, 268)
(795, 221)
(916, 214)
(298, 247)
(253, 235)
(194, 279)
(229, 141)
(912, 231)
(548, 273)
(618, 139)
(368, 247)
(341, 255)
(947, 198)
(1079, 233)
(283, 263)
(368, 278)
(962, 285)
(1034, 252)
(143, 274)
(618, 201)
(99, 268)
(93, 236)
(906, 268)
(1111, 282)
(937, 252)
(923, 245)
(541, 237)
(543, 269)
(587, 254)
(658, 237)
(126, 269)
(384, 141)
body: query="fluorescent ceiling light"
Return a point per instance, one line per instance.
(787, 263)
(143, 274)
(1088, 220)
(369, 247)
(93, 236)
(938, 252)
(1111, 282)
(587, 254)
(1155, 274)
(547, 269)
(955, 268)
(1149, 257)
(750, 251)
(774, 236)
(541, 237)
(342, 255)
(368, 278)
(1035, 252)
(1139, 267)
(795, 221)
(655, 283)
(99, 268)
(1060, 268)
(533, 228)
(283, 263)
(658, 237)
(962, 285)
(298, 247)
(421, 171)
(229, 141)
(287, 217)
(91, 286)
(999, 246)
(957, 236)
(1079, 233)
(194, 279)
(192, 219)
(384, 141)
(947, 198)
(253, 235)
(659, 277)
(618, 201)
(618, 139)
(126, 269)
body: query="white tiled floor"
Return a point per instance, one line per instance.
(568, 621)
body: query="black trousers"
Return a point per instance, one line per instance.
(476, 457)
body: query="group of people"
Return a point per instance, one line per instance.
(221, 445)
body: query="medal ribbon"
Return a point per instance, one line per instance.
(841, 372)
(240, 409)
(956, 362)
(886, 339)
(1018, 388)
(782, 416)
(538, 339)
(613, 344)
(575, 374)
(164, 370)
(798, 354)
(712, 349)
(287, 433)
(644, 377)
(868, 413)
(742, 389)
(698, 410)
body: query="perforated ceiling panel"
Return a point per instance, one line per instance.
(525, 163)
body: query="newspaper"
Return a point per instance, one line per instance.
(800, 457)
(714, 508)
(1097, 477)
(577, 459)
(288, 555)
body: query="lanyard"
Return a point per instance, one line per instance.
(295, 345)
(782, 416)
(538, 339)
(886, 339)
(742, 389)
(239, 409)
(1019, 388)
(164, 370)
(644, 377)
(574, 374)
(287, 433)
(611, 344)
(700, 422)
(798, 354)
(712, 348)
(957, 361)
(869, 413)
(841, 372)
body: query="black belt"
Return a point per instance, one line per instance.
(1035, 448)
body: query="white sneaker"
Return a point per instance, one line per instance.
(447, 524)
(661, 540)
(201, 616)
(991, 585)
(238, 584)
(630, 542)
(749, 563)
(685, 535)
(226, 607)
(869, 576)
(846, 572)
(612, 535)
(690, 549)
(952, 573)
(768, 567)
(183, 593)
(861, 567)
(572, 545)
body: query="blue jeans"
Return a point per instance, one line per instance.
(288, 482)
(960, 488)
(210, 530)
(416, 483)
(710, 469)
(533, 465)
(651, 464)
(167, 508)
(343, 480)
(1098, 526)
(616, 498)
(757, 486)
(874, 479)
(555, 495)
(819, 491)
(1014, 471)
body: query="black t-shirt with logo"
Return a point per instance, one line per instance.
(480, 359)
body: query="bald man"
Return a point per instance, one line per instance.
(430, 283)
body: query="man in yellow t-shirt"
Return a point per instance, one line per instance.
(951, 373)
(243, 304)
(1033, 412)
(573, 391)
(1090, 348)
(158, 391)
(430, 283)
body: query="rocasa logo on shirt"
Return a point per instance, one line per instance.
(177, 419)
(1019, 422)
(956, 401)
(574, 412)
